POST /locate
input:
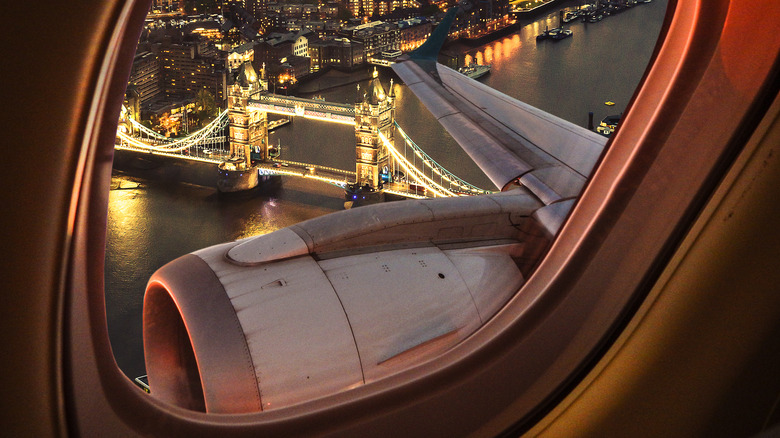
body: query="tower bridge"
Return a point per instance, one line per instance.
(387, 161)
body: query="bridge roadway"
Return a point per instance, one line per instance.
(275, 167)
(335, 176)
(327, 174)
(305, 170)
(194, 153)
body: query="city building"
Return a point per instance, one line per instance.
(246, 24)
(256, 8)
(412, 33)
(335, 52)
(275, 21)
(240, 54)
(483, 18)
(370, 8)
(189, 67)
(277, 46)
(145, 77)
(331, 28)
(292, 10)
(329, 10)
(317, 27)
(301, 46)
(293, 25)
(274, 8)
(376, 37)
(270, 51)
(170, 69)
(310, 12)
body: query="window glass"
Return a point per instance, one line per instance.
(175, 128)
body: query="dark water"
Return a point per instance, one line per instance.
(152, 221)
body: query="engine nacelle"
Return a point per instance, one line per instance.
(335, 302)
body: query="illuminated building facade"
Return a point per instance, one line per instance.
(240, 54)
(301, 46)
(369, 8)
(208, 29)
(412, 33)
(376, 37)
(486, 16)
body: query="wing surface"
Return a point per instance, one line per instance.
(508, 139)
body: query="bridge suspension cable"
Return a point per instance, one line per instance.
(149, 132)
(216, 125)
(457, 186)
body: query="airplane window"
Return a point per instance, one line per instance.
(585, 291)
(225, 136)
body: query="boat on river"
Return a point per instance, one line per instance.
(547, 33)
(570, 16)
(608, 125)
(475, 70)
(562, 34)
(555, 34)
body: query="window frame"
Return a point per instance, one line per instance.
(557, 319)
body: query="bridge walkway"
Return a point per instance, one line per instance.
(306, 108)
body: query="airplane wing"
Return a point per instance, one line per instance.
(508, 139)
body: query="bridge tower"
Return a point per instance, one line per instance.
(248, 132)
(374, 114)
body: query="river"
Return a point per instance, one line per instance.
(152, 221)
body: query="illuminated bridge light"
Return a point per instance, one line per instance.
(150, 141)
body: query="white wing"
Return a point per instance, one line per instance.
(508, 139)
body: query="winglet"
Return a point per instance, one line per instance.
(430, 48)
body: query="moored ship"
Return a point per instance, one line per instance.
(555, 34)
(474, 70)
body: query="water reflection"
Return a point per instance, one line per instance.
(151, 223)
(506, 49)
